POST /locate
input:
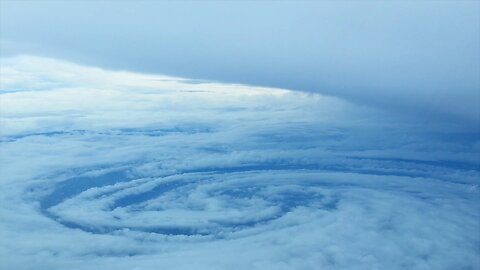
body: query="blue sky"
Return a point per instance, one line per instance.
(417, 58)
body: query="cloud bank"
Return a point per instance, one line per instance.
(415, 58)
(108, 169)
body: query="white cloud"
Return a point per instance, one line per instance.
(117, 170)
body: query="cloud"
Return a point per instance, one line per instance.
(415, 59)
(120, 170)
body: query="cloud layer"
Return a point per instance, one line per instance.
(117, 170)
(419, 59)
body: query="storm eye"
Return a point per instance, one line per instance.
(215, 203)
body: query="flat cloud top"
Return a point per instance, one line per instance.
(414, 58)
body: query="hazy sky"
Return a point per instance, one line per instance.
(417, 58)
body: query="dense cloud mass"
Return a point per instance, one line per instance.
(415, 57)
(117, 170)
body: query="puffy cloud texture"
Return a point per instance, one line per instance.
(117, 170)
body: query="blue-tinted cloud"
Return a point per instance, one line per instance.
(418, 59)
(120, 170)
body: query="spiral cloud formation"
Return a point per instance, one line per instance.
(117, 170)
